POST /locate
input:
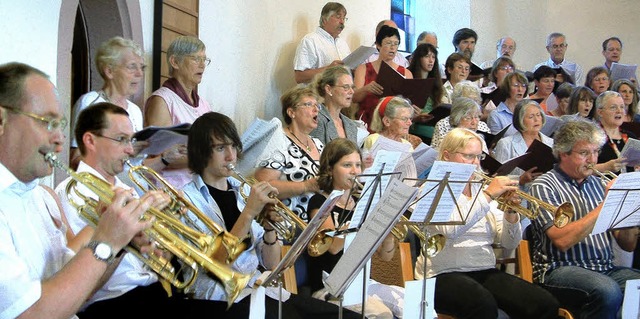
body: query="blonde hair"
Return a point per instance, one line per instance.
(456, 140)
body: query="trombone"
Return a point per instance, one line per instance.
(167, 230)
(562, 214)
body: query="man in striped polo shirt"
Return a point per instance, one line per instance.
(570, 261)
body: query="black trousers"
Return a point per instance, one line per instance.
(152, 302)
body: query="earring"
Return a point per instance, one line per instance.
(330, 94)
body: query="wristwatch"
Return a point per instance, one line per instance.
(102, 251)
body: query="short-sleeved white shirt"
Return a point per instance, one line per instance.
(319, 49)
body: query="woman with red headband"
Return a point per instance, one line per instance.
(391, 119)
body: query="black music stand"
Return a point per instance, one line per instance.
(439, 188)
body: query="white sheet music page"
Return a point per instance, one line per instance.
(377, 226)
(389, 160)
(621, 207)
(631, 151)
(261, 135)
(162, 140)
(631, 302)
(383, 143)
(358, 56)
(424, 156)
(413, 300)
(446, 204)
(623, 71)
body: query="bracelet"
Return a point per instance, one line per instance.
(489, 194)
(164, 161)
(269, 244)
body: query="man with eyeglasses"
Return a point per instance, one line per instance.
(612, 52)
(104, 134)
(324, 47)
(557, 47)
(574, 265)
(506, 46)
(45, 273)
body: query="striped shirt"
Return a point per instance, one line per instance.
(594, 251)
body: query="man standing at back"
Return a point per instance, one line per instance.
(506, 46)
(323, 47)
(557, 48)
(41, 277)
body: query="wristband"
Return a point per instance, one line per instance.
(269, 244)
(269, 230)
(164, 161)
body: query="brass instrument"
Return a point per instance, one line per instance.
(605, 177)
(562, 214)
(166, 230)
(140, 175)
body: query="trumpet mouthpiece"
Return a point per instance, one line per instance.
(230, 166)
(51, 157)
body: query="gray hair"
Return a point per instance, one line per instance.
(424, 34)
(390, 110)
(602, 99)
(501, 40)
(575, 131)
(468, 89)
(461, 107)
(520, 109)
(554, 35)
(330, 9)
(181, 47)
(110, 52)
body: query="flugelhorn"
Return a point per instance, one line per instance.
(166, 230)
(605, 177)
(562, 214)
(147, 179)
(431, 245)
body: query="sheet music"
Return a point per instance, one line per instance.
(353, 294)
(623, 71)
(393, 203)
(551, 102)
(621, 206)
(424, 156)
(631, 151)
(631, 302)
(446, 205)
(257, 305)
(389, 160)
(406, 166)
(261, 135)
(413, 300)
(358, 56)
(383, 143)
(162, 140)
(305, 237)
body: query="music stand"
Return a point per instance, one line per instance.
(395, 200)
(621, 207)
(441, 186)
(275, 277)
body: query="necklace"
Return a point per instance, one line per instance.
(305, 144)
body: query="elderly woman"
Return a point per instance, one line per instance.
(335, 85)
(424, 65)
(528, 119)
(292, 167)
(515, 85)
(468, 284)
(391, 119)
(610, 114)
(464, 114)
(598, 79)
(457, 69)
(120, 64)
(544, 78)
(629, 94)
(492, 93)
(368, 91)
(177, 101)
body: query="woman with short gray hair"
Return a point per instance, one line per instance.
(465, 113)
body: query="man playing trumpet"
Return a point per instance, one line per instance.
(569, 261)
(104, 134)
(41, 277)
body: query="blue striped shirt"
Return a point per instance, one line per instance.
(594, 251)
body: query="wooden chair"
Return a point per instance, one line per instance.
(397, 270)
(289, 276)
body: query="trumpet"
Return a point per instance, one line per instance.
(431, 245)
(143, 177)
(605, 177)
(562, 214)
(166, 230)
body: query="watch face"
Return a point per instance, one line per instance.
(103, 251)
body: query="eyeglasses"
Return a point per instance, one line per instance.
(587, 153)
(506, 68)
(470, 117)
(519, 85)
(309, 104)
(346, 87)
(471, 157)
(133, 67)
(558, 46)
(462, 68)
(200, 59)
(340, 17)
(614, 108)
(402, 118)
(508, 47)
(122, 140)
(52, 124)
(390, 44)
(601, 79)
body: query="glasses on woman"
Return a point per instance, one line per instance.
(309, 105)
(390, 44)
(346, 87)
(200, 59)
(471, 157)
